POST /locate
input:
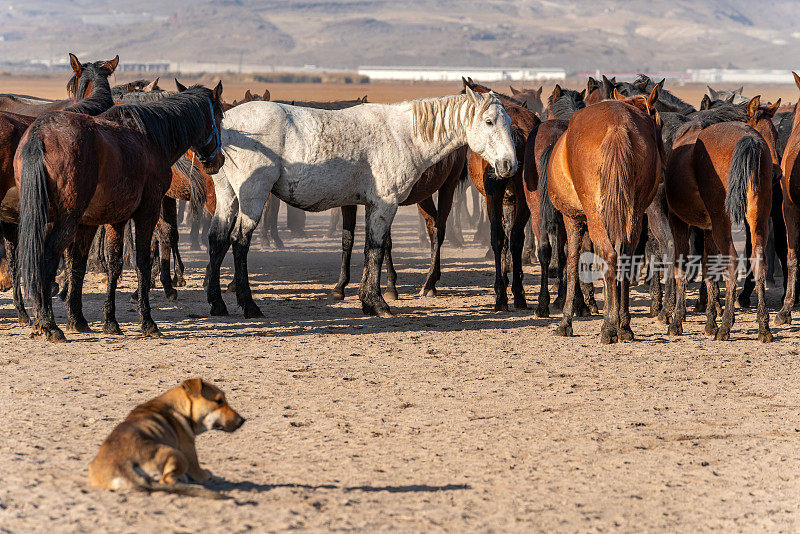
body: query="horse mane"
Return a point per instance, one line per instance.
(434, 118)
(99, 101)
(707, 117)
(563, 108)
(123, 88)
(644, 85)
(173, 122)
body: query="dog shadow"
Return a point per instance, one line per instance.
(222, 485)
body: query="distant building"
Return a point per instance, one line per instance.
(740, 76)
(449, 74)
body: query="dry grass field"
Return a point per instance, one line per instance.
(447, 417)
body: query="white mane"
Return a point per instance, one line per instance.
(434, 118)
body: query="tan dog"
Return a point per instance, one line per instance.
(153, 449)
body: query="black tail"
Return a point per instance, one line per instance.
(547, 212)
(197, 184)
(33, 209)
(745, 166)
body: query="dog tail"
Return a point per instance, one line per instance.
(616, 185)
(743, 174)
(143, 483)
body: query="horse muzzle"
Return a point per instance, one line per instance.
(213, 166)
(506, 168)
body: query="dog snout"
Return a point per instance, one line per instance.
(239, 422)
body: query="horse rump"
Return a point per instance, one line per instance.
(744, 169)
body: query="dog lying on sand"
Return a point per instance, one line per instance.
(153, 448)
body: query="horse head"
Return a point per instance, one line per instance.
(489, 132)
(87, 75)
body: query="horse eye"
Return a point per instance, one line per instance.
(489, 122)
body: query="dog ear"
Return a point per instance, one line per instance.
(193, 386)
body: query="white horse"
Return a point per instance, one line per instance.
(316, 160)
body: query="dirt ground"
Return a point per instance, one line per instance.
(447, 417)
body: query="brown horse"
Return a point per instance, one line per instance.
(91, 95)
(80, 172)
(505, 195)
(791, 210)
(603, 173)
(532, 98)
(716, 176)
(442, 177)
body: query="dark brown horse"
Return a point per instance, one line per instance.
(91, 94)
(506, 195)
(79, 172)
(603, 173)
(532, 98)
(791, 211)
(717, 176)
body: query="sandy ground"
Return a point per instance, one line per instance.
(448, 416)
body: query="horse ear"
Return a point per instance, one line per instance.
(608, 87)
(752, 106)
(248, 95)
(583, 94)
(617, 95)
(471, 94)
(218, 92)
(772, 109)
(266, 96)
(539, 92)
(180, 86)
(464, 81)
(471, 82)
(729, 100)
(557, 92)
(653, 98)
(513, 91)
(131, 88)
(110, 66)
(705, 103)
(152, 86)
(712, 93)
(740, 90)
(364, 99)
(796, 79)
(75, 64)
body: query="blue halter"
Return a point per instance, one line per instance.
(213, 135)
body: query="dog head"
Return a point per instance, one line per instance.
(209, 409)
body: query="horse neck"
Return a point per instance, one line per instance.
(96, 103)
(427, 152)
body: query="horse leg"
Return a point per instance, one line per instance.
(250, 208)
(509, 215)
(169, 217)
(791, 216)
(194, 235)
(759, 237)
(561, 258)
(723, 241)
(10, 234)
(611, 294)
(378, 221)
(333, 223)
(422, 229)
(661, 303)
(391, 274)
(457, 200)
(219, 239)
(587, 305)
(712, 289)
(437, 227)
(348, 236)
(494, 208)
(60, 235)
(272, 220)
(75, 260)
(145, 219)
(697, 242)
(521, 218)
(544, 252)
(779, 231)
(574, 232)
(680, 239)
(115, 236)
(428, 212)
(743, 299)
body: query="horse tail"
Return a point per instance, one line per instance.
(616, 185)
(745, 166)
(187, 166)
(34, 205)
(547, 212)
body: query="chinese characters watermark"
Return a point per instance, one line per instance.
(592, 267)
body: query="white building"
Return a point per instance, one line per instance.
(449, 74)
(740, 76)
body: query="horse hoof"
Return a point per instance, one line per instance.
(112, 329)
(231, 287)
(219, 309)
(564, 330)
(23, 320)
(171, 295)
(542, 311)
(520, 303)
(178, 281)
(675, 329)
(608, 337)
(723, 335)
(711, 329)
(662, 318)
(150, 330)
(390, 295)
(55, 335)
(81, 327)
(593, 309)
(336, 295)
(765, 336)
(135, 296)
(743, 302)
(385, 313)
(5, 285)
(625, 334)
(783, 318)
(251, 311)
(429, 292)
(501, 307)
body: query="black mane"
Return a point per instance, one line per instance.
(567, 104)
(100, 100)
(124, 88)
(174, 123)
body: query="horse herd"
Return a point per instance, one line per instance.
(619, 169)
